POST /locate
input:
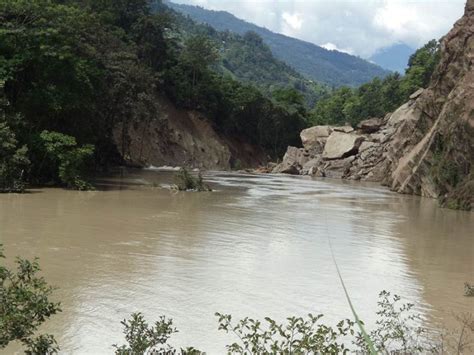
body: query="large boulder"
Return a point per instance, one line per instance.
(293, 161)
(338, 169)
(314, 138)
(371, 125)
(340, 145)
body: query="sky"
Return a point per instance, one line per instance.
(359, 27)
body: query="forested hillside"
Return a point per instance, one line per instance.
(248, 59)
(73, 70)
(330, 67)
(380, 96)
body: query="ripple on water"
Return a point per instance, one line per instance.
(257, 246)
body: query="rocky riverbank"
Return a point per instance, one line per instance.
(425, 147)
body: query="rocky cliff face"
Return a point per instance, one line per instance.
(183, 138)
(426, 147)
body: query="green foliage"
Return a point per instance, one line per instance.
(24, 306)
(186, 182)
(13, 161)
(396, 328)
(329, 67)
(246, 58)
(90, 69)
(141, 337)
(380, 96)
(70, 159)
(421, 66)
(298, 336)
(397, 331)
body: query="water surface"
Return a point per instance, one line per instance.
(257, 246)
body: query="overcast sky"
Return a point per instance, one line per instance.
(358, 27)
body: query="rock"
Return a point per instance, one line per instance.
(340, 145)
(293, 161)
(314, 138)
(371, 125)
(425, 147)
(366, 145)
(416, 94)
(338, 169)
(312, 166)
(432, 152)
(344, 129)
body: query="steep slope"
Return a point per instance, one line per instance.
(330, 67)
(183, 138)
(426, 147)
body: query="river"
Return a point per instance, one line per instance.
(257, 246)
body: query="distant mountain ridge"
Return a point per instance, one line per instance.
(330, 67)
(394, 57)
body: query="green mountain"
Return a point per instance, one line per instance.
(248, 59)
(330, 67)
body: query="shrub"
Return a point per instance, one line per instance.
(68, 157)
(186, 182)
(142, 337)
(396, 332)
(24, 306)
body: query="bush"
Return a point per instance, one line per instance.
(24, 306)
(396, 332)
(142, 337)
(69, 159)
(186, 182)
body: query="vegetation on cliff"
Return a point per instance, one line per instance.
(380, 96)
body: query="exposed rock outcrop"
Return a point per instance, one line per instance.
(425, 147)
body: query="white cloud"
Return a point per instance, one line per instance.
(293, 20)
(332, 47)
(359, 26)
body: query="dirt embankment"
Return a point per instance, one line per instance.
(183, 138)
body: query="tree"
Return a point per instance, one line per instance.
(378, 97)
(70, 159)
(13, 159)
(199, 52)
(291, 98)
(421, 66)
(24, 306)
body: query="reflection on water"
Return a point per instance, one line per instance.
(257, 246)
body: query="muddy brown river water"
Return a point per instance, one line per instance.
(257, 246)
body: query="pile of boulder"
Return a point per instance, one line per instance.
(425, 147)
(343, 152)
